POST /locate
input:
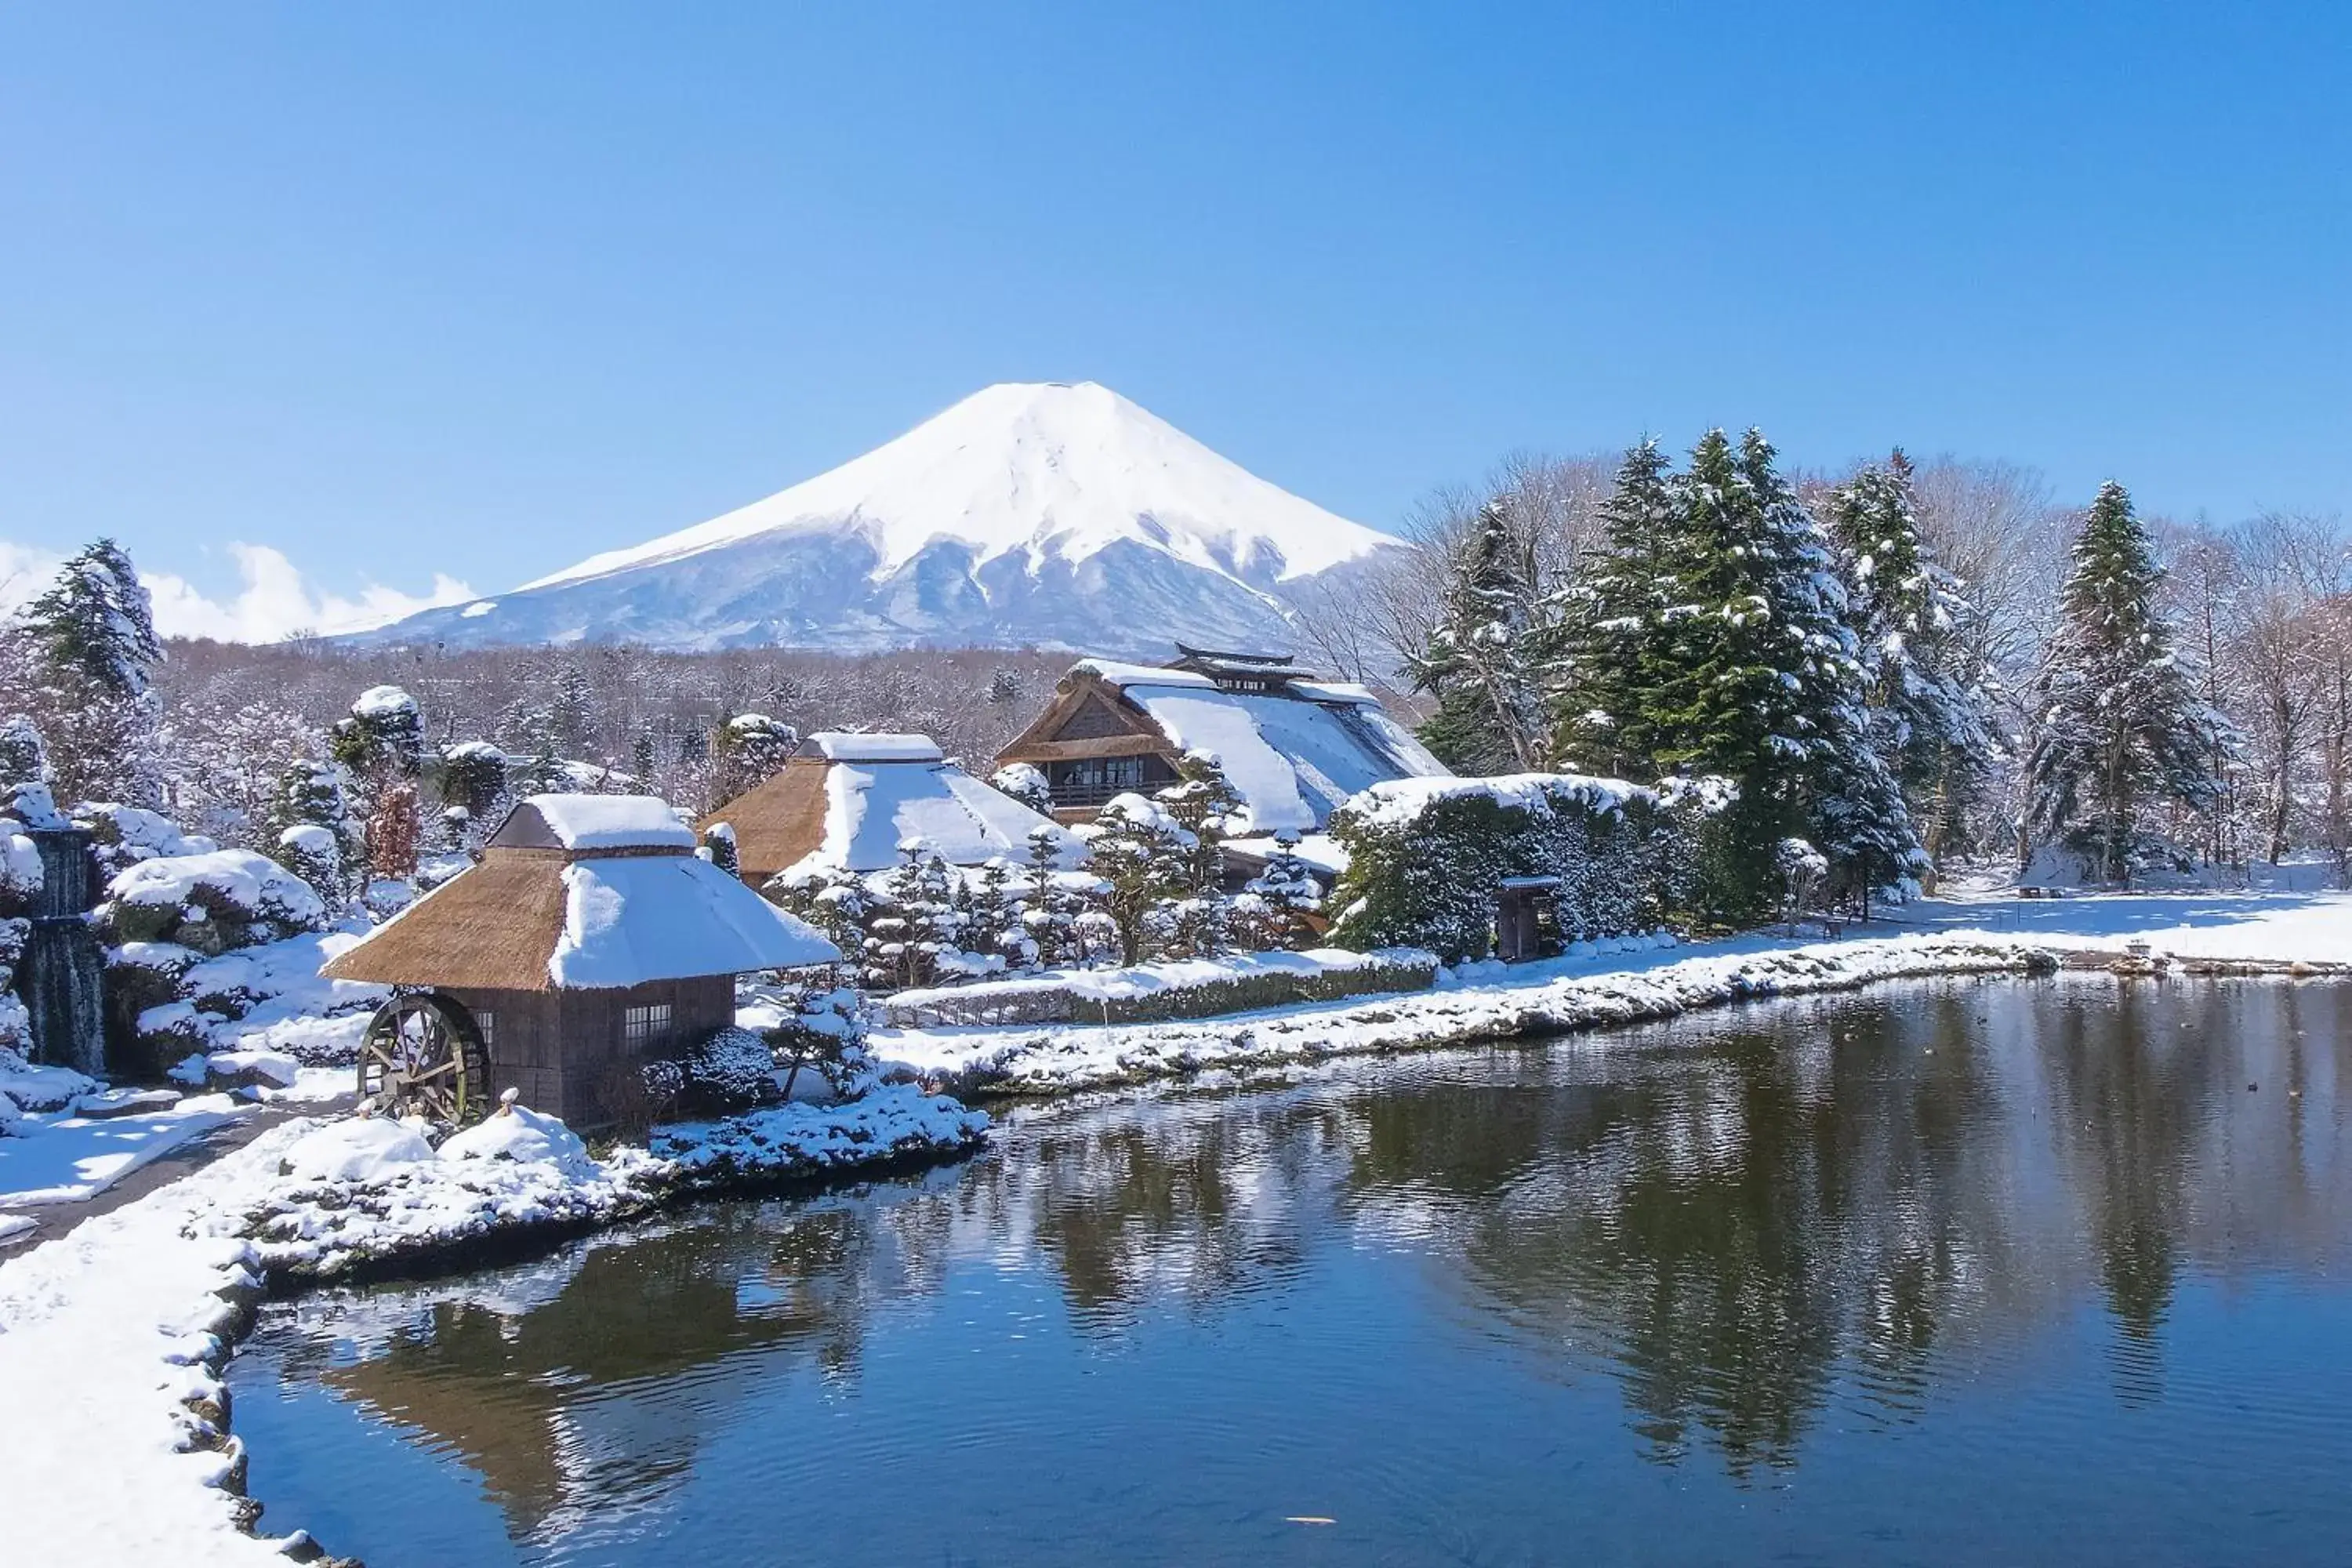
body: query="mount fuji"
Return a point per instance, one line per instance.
(1053, 515)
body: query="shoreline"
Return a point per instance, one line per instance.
(226, 1263)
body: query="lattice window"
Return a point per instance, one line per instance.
(647, 1025)
(487, 1025)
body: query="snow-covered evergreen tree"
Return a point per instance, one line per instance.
(95, 622)
(84, 670)
(751, 749)
(571, 730)
(1046, 913)
(1205, 804)
(1910, 619)
(719, 847)
(1275, 908)
(318, 837)
(1607, 653)
(1140, 856)
(1026, 784)
(2122, 725)
(380, 743)
(1477, 659)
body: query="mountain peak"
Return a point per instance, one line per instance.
(1020, 497)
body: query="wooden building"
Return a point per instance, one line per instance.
(846, 801)
(1292, 746)
(589, 937)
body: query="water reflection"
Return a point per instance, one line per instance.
(1754, 1229)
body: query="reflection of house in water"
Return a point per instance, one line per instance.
(599, 1396)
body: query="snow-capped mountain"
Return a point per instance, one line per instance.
(1060, 515)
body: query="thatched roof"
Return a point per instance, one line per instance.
(628, 904)
(848, 801)
(1292, 746)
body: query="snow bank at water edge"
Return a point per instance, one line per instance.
(116, 1333)
(1057, 1059)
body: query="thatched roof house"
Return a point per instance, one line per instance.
(846, 801)
(1294, 747)
(589, 935)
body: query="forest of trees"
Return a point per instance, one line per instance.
(1939, 658)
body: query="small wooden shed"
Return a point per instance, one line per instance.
(589, 937)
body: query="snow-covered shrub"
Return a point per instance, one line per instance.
(210, 902)
(1275, 909)
(24, 759)
(311, 853)
(719, 847)
(127, 835)
(16, 1022)
(730, 1070)
(1427, 857)
(31, 803)
(825, 1034)
(20, 871)
(1026, 784)
(1802, 869)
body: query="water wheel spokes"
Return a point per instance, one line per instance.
(422, 1056)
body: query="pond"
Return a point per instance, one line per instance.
(1970, 1271)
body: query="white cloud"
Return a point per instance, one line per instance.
(274, 602)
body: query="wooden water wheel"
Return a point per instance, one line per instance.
(422, 1056)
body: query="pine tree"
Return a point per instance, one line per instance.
(1140, 856)
(1610, 647)
(1046, 913)
(1205, 804)
(1476, 660)
(571, 714)
(97, 622)
(88, 654)
(380, 743)
(1274, 909)
(751, 749)
(318, 838)
(2122, 725)
(1909, 616)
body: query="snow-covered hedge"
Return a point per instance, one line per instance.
(1146, 992)
(1427, 857)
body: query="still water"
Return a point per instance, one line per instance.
(1968, 1272)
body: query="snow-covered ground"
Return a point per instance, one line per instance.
(1627, 981)
(2284, 926)
(63, 1158)
(112, 1336)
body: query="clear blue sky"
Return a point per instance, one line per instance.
(483, 289)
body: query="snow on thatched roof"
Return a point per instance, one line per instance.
(1294, 752)
(848, 805)
(594, 822)
(573, 896)
(849, 746)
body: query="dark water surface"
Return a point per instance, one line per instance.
(1976, 1272)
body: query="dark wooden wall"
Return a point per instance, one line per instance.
(560, 1048)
